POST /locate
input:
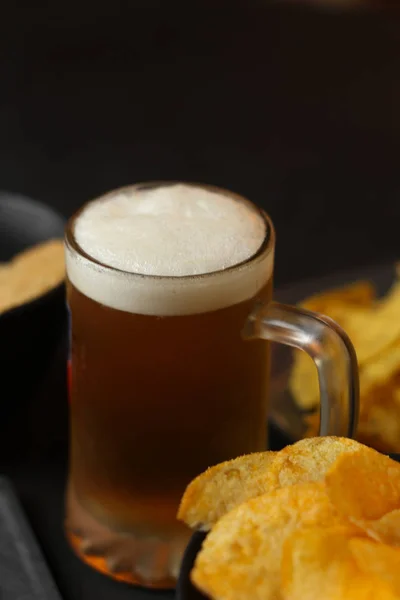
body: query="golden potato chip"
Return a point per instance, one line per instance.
(375, 440)
(224, 486)
(336, 303)
(360, 293)
(31, 274)
(303, 381)
(308, 459)
(48, 252)
(379, 560)
(318, 563)
(312, 424)
(220, 488)
(241, 556)
(374, 328)
(380, 370)
(386, 529)
(379, 422)
(364, 484)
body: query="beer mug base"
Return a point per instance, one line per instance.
(146, 561)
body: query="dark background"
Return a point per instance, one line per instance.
(295, 106)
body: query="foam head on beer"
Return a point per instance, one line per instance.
(169, 250)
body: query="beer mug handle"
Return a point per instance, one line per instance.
(332, 352)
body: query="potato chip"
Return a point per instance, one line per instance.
(308, 459)
(222, 487)
(379, 371)
(359, 293)
(318, 563)
(312, 422)
(386, 529)
(374, 328)
(379, 421)
(241, 556)
(31, 273)
(364, 484)
(333, 506)
(379, 560)
(336, 304)
(379, 417)
(303, 382)
(375, 440)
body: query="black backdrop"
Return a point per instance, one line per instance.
(296, 107)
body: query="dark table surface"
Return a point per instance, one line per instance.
(40, 486)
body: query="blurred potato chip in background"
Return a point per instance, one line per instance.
(373, 325)
(360, 293)
(31, 274)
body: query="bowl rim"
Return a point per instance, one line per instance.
(23, 201)
(27, 201)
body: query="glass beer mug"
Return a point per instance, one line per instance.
(170, 294)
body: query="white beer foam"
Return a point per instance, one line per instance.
(168, 250)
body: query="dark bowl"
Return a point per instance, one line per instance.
(30, 334)
(185, 590)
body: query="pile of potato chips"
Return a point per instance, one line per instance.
(373, 325)
(318, 520)
(31, 273)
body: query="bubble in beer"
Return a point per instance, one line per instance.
(170, 230)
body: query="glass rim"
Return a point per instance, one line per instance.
(265, 248)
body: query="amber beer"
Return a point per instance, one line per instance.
(163, 383)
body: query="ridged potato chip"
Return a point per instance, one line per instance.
(377, 372)
(373, 326)
(222, 487)
(328, 526)
(336, 303)
(241, 556)
(375, 329)
(364, 485)
(308, 460)
(303, 382)
(359, 293)
(379, 560)
(318, 562)
(386, 529)
(379, 420)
